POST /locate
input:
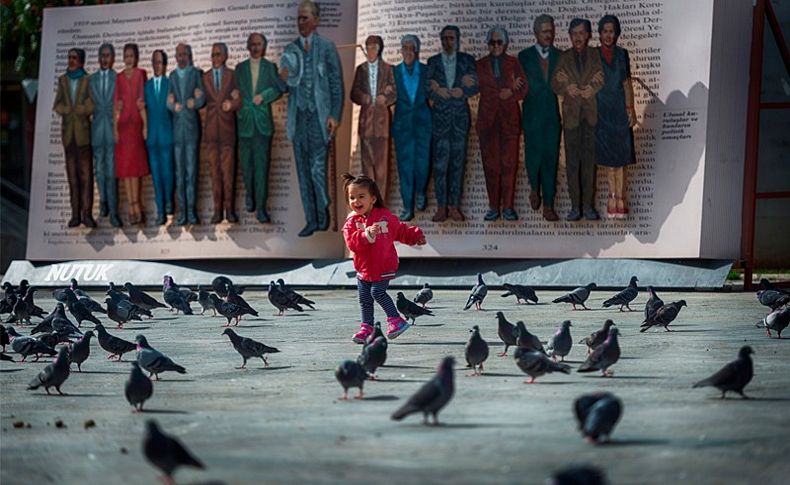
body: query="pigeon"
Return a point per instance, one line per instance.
(521, 292)
(577, 296)
(122, 311)
(505, 330)
(624, 297)
(249, 348)
(62, 325)
(561, 343)
(536, 364)
(227, 310)
(153, 361)
(664, 316)
(166, 452)
(597, 338)
(424, 295)
(169, 282)
(526, 340)
(141, 298)
(294, 296)
(34, 310)
(733, 376)
(114, 345)
(236, 299)
(54, 374)
(604, 356)
(376, 333)
(205, 302)
(80, 350)
(409, 309)
(773, 299)
(92, 305)
(578, 475)
(350, 374)
(20, 310)
(653, 303)
(177, 300)
(78, 309)
(222, 284)
(137, 388)
(767, 285)
(776, 321)
(27, 346)
(281, 301)
(432, 396)
(597, 414)
(373, 356)
(476, 351)
(4, 340)
(50, 339)
(478, 294)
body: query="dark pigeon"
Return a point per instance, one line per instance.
(80, 350)
(236, 299)
(141, 298)
(624, 297)
(476, 351)
(27, 346)
(92, 305)
(34, 310)
(733, 376)
(20, 311)
(505, 330)
(249, 348)
(227, 310)
(62, 325)
(50, 339)
(526, 340)
(578, 475)
(536, 364)
(432, 396)
(280, 301)
(561, 342)
(664, 316)
(112, 344)
(409, 309)
(604, 356)
(166, 452)
(294, 296)
(577, 296)
(521, 292)
(377, 332)
(122, 311)
(597, 415)
(205, 302)
(478, 294)
(4, 340)
(767, 285)
(138, 388)
(597, 338)
(773, 299)
(169, 282)
(222, 284)
(4, 356)
(54, 374)
(78, 310)
(153, 361)
(177, 300)
(424, 295)
(776, 321)
(653, 303)
(373, 356)
(350, 374)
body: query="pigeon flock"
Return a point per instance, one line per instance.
(60, 334)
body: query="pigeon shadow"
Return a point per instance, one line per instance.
(616, 376)
(144, 327)
(398, 380)
(445, 425)
(428, 343)
(174, 380)
(75, 372)
(699, 330)
(281, 367)
(163, 319)
(164, 411)
(428, 325)
(635, 442)
(770, 399)
(404, 366)
(254, 326)
(383, 397)
(76, 394)
(497, 374)
(10, 370)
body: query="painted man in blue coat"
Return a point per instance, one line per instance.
(160, 136)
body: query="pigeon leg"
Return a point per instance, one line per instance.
(607, 373)
(360, 395)
(530, 381)
(722, 394)
(667, 329)
(574, 306)
(265, 362)
(243, 364)
(47, 389)
(768, 331)
(621, 308)
(583, 306)
(57, 388)
(744, 396)
(562, 358)
(629, 307)
(79, 367)
(344, 397)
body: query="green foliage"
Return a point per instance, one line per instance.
(734, 275)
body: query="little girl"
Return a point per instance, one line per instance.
(370, 232)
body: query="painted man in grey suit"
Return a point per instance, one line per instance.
(315, 104)
(102, 88)
(185, 98)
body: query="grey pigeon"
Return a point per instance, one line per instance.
(27, 346)
(409, 309)
(20, 311)
(767, 285)
(205, 302)
(166, 452)
(597, 338)
(578, 475)
(54, 374)
(141, 298)
(653, 303)
(227, 310)
(526, 340)
(249, 348)
(577, 296)
(561, 342)
(169, 282)
(153, 361)
(350, 374)
(521, 292)
(624, 297)
(92, 305)
(478, 294)
(773, 299)
(733, 376)
(664, 316)
(112, 344)
(373, 356)
(281, 301)
(424, 295)
(536, 364)
(78, 310)
(237, 299)
(138, 388)
(476, 351)
(294, 296)
(505, 330)
(80, 350)
(58, 322)
(597, 415)
(432, 396)
(604, 356)
(50, 339)
(776, 321)
(177, 300)
(122, 311)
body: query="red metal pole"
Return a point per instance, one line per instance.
(777, 30)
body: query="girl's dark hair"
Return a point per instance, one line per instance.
(366, 182)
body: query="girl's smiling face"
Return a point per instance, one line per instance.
(360, 200)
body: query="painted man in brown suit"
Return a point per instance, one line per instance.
(374, 91)
(577, 78)
(219, 132)
(73, 103)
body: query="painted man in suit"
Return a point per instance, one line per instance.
(541, 117)
(315, 105)
(453, 79)
(102, 89)
(411, 127)
(73, 103)
(374, 91)
(502, 85)
(258, 87)
(159, 141)
(219, 132)
(578, 77)
(185, 98)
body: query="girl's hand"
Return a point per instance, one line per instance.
(421, 241)
(373, 230)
